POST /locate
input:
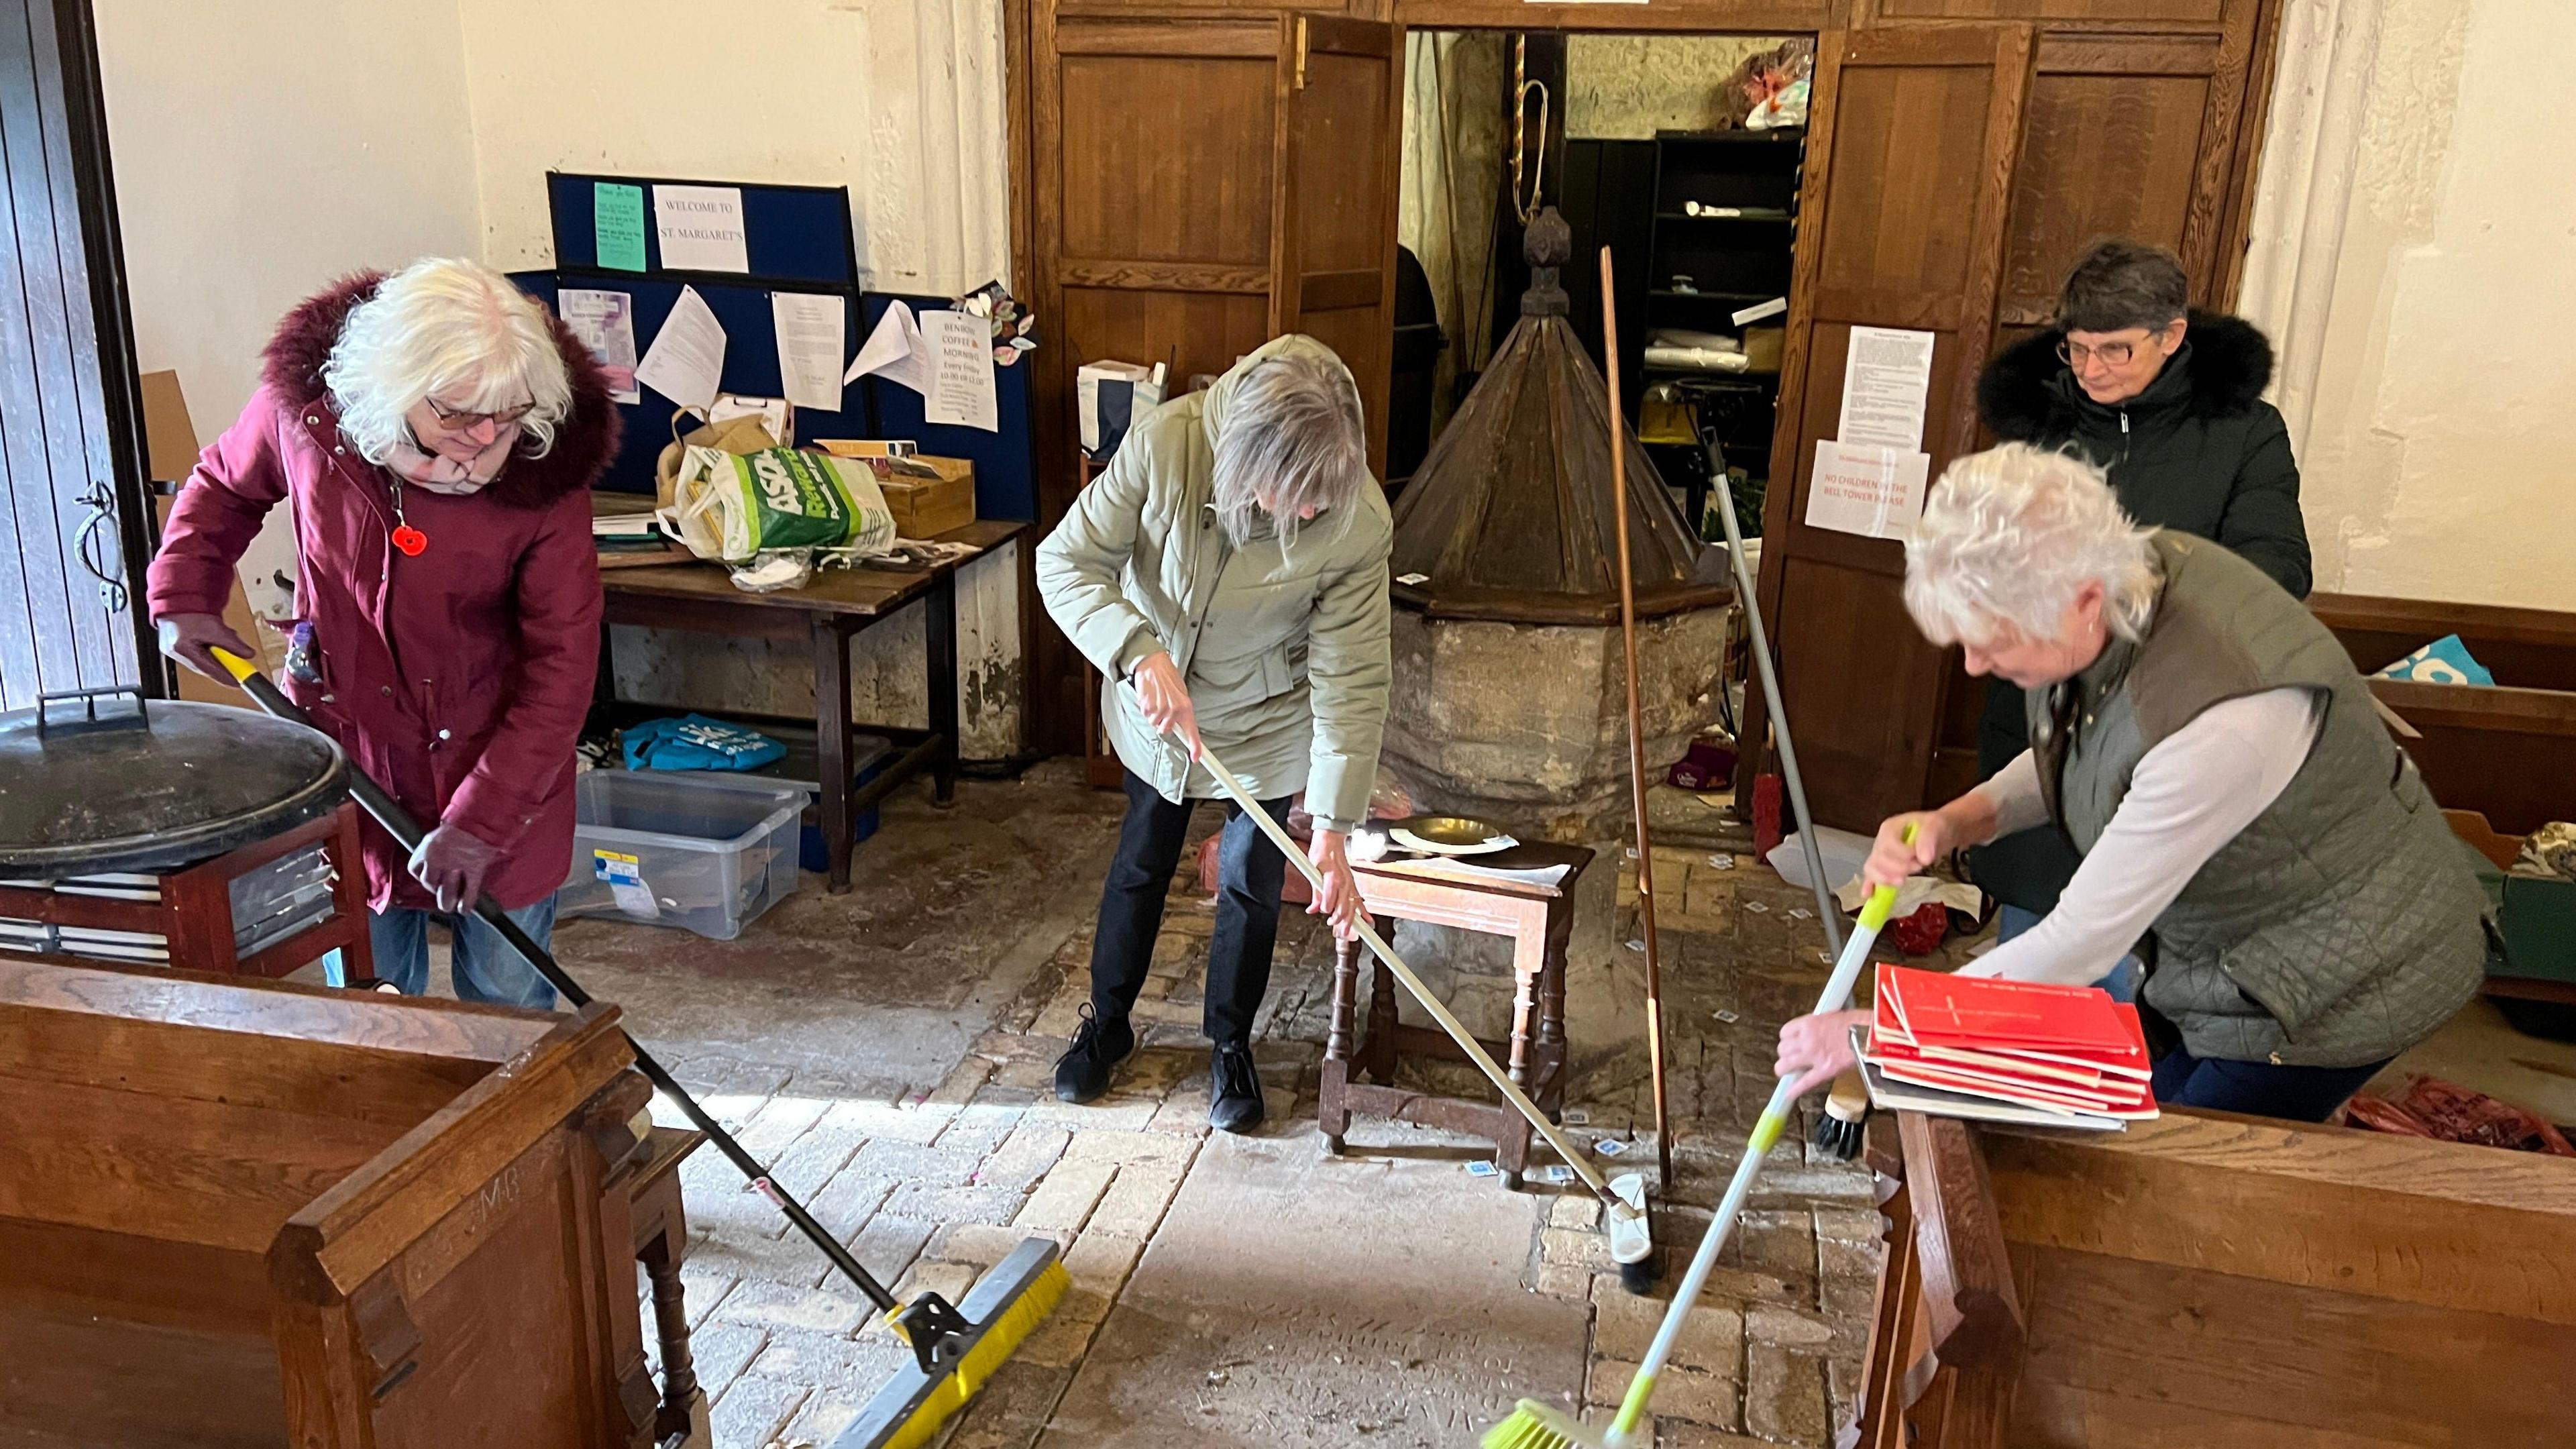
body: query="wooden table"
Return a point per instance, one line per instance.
(1444, 892)
(661, 1245)
(838, 604)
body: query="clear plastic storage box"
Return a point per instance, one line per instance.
(701, 851)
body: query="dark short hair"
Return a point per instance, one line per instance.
(2121, 284)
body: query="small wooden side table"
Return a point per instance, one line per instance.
(661, 1244)
(1464, 893)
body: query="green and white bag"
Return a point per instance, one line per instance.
(735, 507)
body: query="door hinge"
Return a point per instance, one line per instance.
(1299, 83)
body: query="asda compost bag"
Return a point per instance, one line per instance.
(737, 507)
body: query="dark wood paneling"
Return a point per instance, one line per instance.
(1137, 187)
(2204, 11)
(1739, 17)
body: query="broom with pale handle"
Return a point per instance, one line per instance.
(1534, 1425)
(1449, 1023)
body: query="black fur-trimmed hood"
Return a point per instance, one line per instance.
(2224, 365)
(585, 441)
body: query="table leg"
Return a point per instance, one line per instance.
(939, 640)
(684, 1403)
(832, 745)
(349, 897)
(1511, 1145)
(1377, 1049)
(1332, 1112)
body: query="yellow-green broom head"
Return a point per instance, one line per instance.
(1534, 1425)
(1004, 1308)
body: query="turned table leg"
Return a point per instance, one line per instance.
(1332, 1110)
(684, 1403)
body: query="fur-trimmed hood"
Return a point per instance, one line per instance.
(585, 441)
(2220, 371)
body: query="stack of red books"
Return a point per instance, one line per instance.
(2059, 1051)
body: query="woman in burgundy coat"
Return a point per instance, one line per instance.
(435, 434)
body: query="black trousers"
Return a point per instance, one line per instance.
(1250, 871)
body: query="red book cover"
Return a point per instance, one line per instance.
(1907, 1064)
(2132, 1108)
(1991, 1013)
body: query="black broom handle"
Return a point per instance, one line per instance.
(399, 824)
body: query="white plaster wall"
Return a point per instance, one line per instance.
(900, 100)
(261, 148)
(2433, 459)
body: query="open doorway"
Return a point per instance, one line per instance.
(1681, 153)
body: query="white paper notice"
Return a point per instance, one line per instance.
(686, 360)
(894, 351)
(809, 347)
(605, 323)
(1887, 377)
(701, 228)
(1872, 491)
(961, 390)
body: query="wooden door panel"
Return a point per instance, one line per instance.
(1137, 188)
(1905, 199)
(2128, 136)
(1345, 119)
(1198, 331)
(2208, 12)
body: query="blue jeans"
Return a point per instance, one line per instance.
(483, 966)
(2122, 983)
(2258, 1089)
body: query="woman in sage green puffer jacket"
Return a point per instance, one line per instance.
(1227, 577)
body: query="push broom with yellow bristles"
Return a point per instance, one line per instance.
(1534, 1425)
(955, 1347)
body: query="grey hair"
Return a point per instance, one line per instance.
(2123, 284)
(2011, 535)
(449, 326)
(1292, 428)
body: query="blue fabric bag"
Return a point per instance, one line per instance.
(695, 742)
(2444, 661)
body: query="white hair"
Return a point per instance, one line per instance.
(2011, 535)
(455, 328)
(1292, 430)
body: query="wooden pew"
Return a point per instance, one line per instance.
(2206, 1281)
(2502, 752)
(239, 1214)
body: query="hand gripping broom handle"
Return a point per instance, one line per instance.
(1766, 1135)
(406, 832)
(1457, 1030)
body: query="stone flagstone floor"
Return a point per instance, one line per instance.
(934, 1182)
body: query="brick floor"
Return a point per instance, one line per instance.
(933, 1188)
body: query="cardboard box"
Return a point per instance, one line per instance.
(170, 440)
(927, 506)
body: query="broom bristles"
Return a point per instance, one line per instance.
(998, 1342)
(1534, 1425)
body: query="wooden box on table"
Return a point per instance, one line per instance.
(2218, 1282)
(258, 1214)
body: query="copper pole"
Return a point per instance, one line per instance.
(1636, 726)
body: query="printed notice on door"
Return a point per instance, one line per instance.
(1872, 491)
(1887, 379)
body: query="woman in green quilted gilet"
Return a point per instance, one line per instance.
(2244, 819)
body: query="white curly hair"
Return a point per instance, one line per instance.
(2010, 536)
(454, 328)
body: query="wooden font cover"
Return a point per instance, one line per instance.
(1511, 518)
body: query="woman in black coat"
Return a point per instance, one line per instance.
(2169, 402)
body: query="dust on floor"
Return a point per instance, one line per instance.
(892, 1049)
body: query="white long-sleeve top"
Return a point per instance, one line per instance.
(2190, 795)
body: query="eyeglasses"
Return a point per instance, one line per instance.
(2112, 354)
(464, 421)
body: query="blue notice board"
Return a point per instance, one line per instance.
(1005, 473)
(791, 234)
(750, 365)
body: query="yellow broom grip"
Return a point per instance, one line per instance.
(235, 665)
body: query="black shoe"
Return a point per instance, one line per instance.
(1082, 1073)
(1234, 1089)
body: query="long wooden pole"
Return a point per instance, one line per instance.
(1636, 726)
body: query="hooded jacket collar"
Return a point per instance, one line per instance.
(585, 440)
(2220, 371)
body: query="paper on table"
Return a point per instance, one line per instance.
(961, 390)
(701, 228)
(809, 347)
(894, 351)
(1872, 491)
(605, 323)
(617, 225)
(686, 361)
(1887, 378)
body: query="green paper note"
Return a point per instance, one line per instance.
(617, 221)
